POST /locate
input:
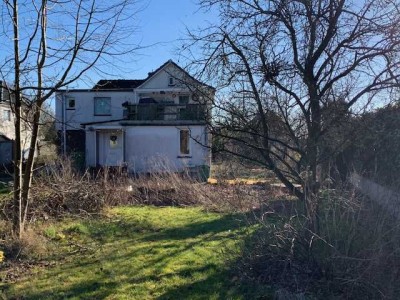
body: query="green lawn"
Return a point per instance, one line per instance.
(141, 253)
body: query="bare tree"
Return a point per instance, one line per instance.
(56, 44)
(289, 72)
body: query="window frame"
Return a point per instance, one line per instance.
(6, 115)
(69, 107)
(171, 81)
(184, 154)
(182, 96)
(95, 99)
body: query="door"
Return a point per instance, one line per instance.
(5, 152)
(111, 148)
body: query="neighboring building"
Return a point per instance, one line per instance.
(6, 115)
(7, 128)
(146, 125)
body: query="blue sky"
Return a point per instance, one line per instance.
(161, 23)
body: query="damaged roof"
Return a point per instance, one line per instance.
(111, 84)
(126, 84)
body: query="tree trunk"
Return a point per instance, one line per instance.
(28, 170)
(18, 206)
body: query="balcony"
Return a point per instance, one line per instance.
(166, 113)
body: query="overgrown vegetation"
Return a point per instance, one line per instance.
(355, 256)
(59, 190)
(374, 152)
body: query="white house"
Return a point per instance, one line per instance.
(146, 125)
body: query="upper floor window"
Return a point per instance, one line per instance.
(102, 106)
(6, 115)
(70, 103)
(171, 80)
(184, 99)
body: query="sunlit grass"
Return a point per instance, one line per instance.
(141, 253)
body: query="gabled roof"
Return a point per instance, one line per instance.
(151, 74)
(126, 84)
(110, 84)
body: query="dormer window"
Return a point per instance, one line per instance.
(171, 81)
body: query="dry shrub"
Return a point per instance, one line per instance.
(60, 189)
(233, 168)
(182, 189)
(168, 188)
(30, 245)
(355, 255)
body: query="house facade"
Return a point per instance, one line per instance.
(149, 125)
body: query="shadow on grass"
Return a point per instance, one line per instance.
(226, 223)
(135, 260)
(91, 289)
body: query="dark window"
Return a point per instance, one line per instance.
(171, 81)
(184, 142)
(102, 106)
(184, 99)
(71, 103)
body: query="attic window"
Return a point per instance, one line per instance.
(171, 81)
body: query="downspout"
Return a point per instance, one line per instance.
(64, 125)
(123, 147)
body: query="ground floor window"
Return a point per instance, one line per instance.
(184, 138)
(6, 115)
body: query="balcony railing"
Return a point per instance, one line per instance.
(165, 112)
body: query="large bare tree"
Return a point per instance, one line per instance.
(47, 45)
(290, 72)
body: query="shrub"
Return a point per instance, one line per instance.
(355, 255)
(31, 245)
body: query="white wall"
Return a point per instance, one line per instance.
(84, 107)
(160, 79)
(6, 127)
(152, 148)
(155, 148)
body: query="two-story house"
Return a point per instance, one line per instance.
(148, 125)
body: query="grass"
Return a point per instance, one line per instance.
(4, 189)
(140, 253)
